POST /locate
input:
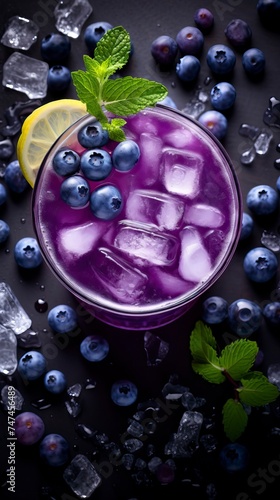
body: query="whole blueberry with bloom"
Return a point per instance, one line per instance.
(260, 264)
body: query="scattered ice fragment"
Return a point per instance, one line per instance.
(128, 460)
(132, 445)
(135, 429)
(194, 108)
(90, 384)
(209, 442)
(26, 74)
(6, 398)
(182, 172)
(261, 144)
(174, 390)
(73, 407)
(271, 115)
(194, 263)
(249, 131)
(75, 390)
(41, 404)
(186, 440)
(154, 207)
(125, 282)
(8, 351)
(248, 155)
(85, 431)
(273, 374)
(12, 314)
(271, 240)
(139, 240)
(204, 215)
(156, 349)
(29, 339)
(188, 400)
(15, 114)
(154, 463)
(70, 16)
(20, 33)
(81, 476)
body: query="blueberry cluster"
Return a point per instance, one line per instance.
(95, 164)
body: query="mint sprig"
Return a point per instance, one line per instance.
(120, 96)
(234, 363)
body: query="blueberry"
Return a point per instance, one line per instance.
(4, 231)
(234, 457)
(204, 19)
(3, 194)
(29, 428)
(96, 164)
(94, 348)
(106, 202)
(247, 226)
(66, 162)
(55, 381)
(168, 101)
(190, 40)
(55, 48)
(269, 13)
(262, 199)
(244, 317)
(260, 264)
(221, 59)
(75, 191)
(14, 177)
(54, 450)
(223, 96)
(214, 121)
(6, 149)
(164, 50)
(238, 33)
(125, 155)
(32, 365)
(124, 393)
(214, 310)
(62, 319)
(253, 61)
(271, 312)
(94, 32)
(93, 135)
(59, 78)
(188, 68)
(27, 253)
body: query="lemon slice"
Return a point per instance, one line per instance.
(41, 129)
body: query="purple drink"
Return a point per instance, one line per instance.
(176, 233)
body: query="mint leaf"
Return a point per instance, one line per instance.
(235, 419)
(201, 335)
(114, 45)
(238, 357)
(128, 95)
(205, 359)
(123, 96)
(210, 370)
(256, 390)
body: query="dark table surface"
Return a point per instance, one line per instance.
(145, 20)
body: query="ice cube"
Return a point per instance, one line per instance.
(150, 158)
(169, 284)
(20, 33)
(204, 215)
(12, 314)
(194, 262)
(71, 15)
(125, 282)
(178, 138)
(8, 351)
(81, 476)
(154, 207)
(79, 240)
(182, 172)
(145, 242)
(26, 74)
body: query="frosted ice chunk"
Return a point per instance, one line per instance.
(124, 282)
(141, 240)
(262, 142)
(8, 351)
(204, 215)
(12, 314)
(26, 74)
(150, 159)
(179, 138)
(71, 15)
(79, 240)
(194, 262)
(169, 284)
(182, 172)
(156, 208)
(20, 33)
(81, 476)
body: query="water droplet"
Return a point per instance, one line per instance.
(7, 250)
(41, 305)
